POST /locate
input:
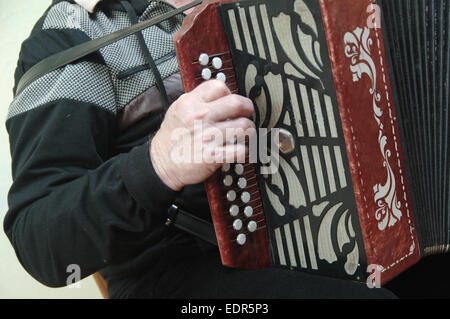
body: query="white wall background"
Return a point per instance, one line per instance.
(16, 21)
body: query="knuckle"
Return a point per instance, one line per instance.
(236, 102)
(247, 104)
(241, 104)
(192, 118)
(189, 109)
(196, 115)
(183, 97)
(189, 121)
(219, 85)
(244, 123)
(251, 125)
(183, 102)
(250, 104)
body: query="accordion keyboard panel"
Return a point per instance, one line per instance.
(233, 192)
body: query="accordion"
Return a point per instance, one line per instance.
(359, 93)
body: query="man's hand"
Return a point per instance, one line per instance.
(194, 138)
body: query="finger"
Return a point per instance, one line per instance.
(233, 131)
(211, 90)
(230, 107)
(235, 153)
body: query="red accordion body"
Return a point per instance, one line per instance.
(383, 231)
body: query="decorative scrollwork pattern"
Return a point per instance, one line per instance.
(358, 49)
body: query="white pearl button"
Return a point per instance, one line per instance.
(228, 180)
(226, 167)
(217, 63)
(206, 74)
(252, 226)
(241, 239)
(242, 182)
(248, 211)
(234, 210)
(221, 77)
(203, 59)
(237, 224)
(245, 197)
(239, 169)
(231, 196)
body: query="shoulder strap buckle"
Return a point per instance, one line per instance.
(191, 224)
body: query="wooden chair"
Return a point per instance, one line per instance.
(102, 286)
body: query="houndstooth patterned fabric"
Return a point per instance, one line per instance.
(120, 56)
(84, 82)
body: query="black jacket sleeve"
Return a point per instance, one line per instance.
(70, 201)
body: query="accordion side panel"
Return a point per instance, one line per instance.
(371, 132)
(201, 33)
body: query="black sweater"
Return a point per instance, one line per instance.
(84, 190)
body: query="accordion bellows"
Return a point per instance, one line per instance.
(361, 91)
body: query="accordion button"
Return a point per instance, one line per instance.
(231, 196)
(239, 169)
(245, 197)
(252, 226)
(203, 59)
(234, 210)
(217, 63)
(228, 180)
(241, 239)
(248, 211)
(226, 167)
(242, 182)
(237, 224)
(206, 74)
(221, 77)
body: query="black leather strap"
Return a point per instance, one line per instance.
(77, 52)
(191, 225)
(147, 55)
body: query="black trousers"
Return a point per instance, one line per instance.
(204, 277)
